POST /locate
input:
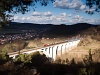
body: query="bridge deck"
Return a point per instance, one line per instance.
(27, 50)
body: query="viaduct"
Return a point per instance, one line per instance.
(52, 51)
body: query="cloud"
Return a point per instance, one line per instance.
(70, 15)
(69, 4)
(61, 18)
(36, 14)
(42, 14)
(16, 17)
(63, 14)
(47, 13)
(78, 18)
(90, 9)
(73, 4)
(83, 7)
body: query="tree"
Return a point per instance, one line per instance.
(4, 57)
(91, 3)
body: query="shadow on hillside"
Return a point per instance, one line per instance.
(72, 69)
(87, 67)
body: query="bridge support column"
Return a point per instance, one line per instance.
(69, 46)
(55, 52)
(61, 49)
(66, 47)
(52, 53)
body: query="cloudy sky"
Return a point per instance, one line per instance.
(60, 12)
